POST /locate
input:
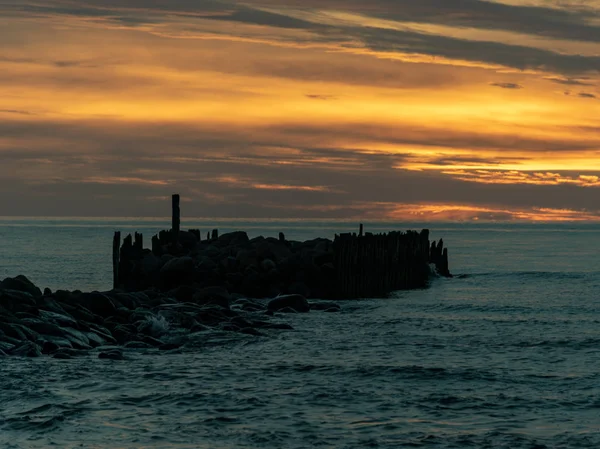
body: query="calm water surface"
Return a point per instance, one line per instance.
(505, 356)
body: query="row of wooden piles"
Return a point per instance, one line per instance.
(366, 265)
(375, 265)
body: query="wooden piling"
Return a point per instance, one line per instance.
(116, 258)
(176, 219)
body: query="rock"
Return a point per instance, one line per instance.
(112, 354)
(287, 310)
(16, 300)
(47, 292)
(299, 288)
(246, 257)
(80, 313)
(169, 346)
(6, 346)
(49, 347)
(151, 340)
(138, 345)
(18, 331)
(150, 265)
(22, 284)
(177, 271)
(183, 293)
(95, 340)
(97, 303)
(52, 341)
(51, 305)
(43, 327)
(296, 302)
(268, 265)
(187, 239)
(333, 310)
(238, 238)
(123, 334)
(27, 349)
(212, 295)
(57, 318)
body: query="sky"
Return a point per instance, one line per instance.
(428, 110)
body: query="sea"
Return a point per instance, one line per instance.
(504, 355)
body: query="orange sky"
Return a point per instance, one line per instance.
(379, 109)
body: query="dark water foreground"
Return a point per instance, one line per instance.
(485, 361)
(507, 357)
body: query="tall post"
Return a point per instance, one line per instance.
(116, 258)
(176, 219)
(360, 233)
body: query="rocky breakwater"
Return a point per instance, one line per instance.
(66, 324)
(267, 267)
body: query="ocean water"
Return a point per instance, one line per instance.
(505, 355)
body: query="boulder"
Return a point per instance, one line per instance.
(295, 302)
(97, 303)
(57, 318)
(16, 300)
(299, 288)
(238, 238)
(177, 271)
(268, 265)
(212, 295)
(188, 239)
(26, 349)
(111, 354)
(137, 345)
(22, 284)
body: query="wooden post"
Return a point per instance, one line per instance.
(176, 219)
(360, 233)
(215, 234)
(116, 258)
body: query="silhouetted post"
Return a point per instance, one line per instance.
(176, 219)
(115, 257)
(208, 235)
(360, 233)
(215, 234)
(282, 237)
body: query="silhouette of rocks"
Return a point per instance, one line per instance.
(297, 303)
(66, 324)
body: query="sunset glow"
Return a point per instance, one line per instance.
(324, 109)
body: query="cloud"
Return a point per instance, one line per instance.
(569, 81)
(14, 111)
(586, 95)
(320, 97)
(321, 29)
(507, 85)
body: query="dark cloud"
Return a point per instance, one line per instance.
(217, 170)
(15, 111)
(570, 81)
(547, 21)
(507, 85)
(586, 95)
(542, 21)
(320, 97)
